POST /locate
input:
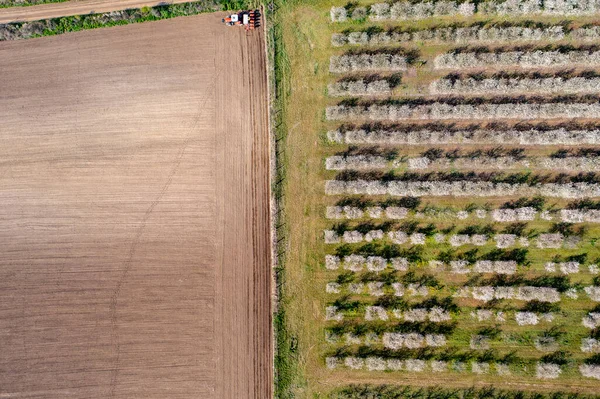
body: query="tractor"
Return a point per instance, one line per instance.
(249, 19)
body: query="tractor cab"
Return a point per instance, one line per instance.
(231, 20)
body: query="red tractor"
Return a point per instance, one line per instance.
(248, 19)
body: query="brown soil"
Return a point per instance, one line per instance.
(134, 217)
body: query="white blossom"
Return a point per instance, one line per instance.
(569, 267)
(505, 240)
(457, 240)
(334, 212)
(504, 292)
(375, 288)
(559, 136)
(356, 288)
(415, 365)
(417, 238)
(483, 314)
(435, 340)
(500, 317)
(332, 288)
(398, 237)
(331, 313)
(355, 162)
(459, 267)
(460, 189)
(523, 59)
(353, 212)
(374, 235)
(394, 364)
(438, 366)
(547, 371)
(483, 293)
(394, 212)
(550, 240)
(502, 369)
(504, 86)
(571, 293)
(375, 212)
(526, 318)
(376, 313)
(331, 237)
(367, 62)
(417, 314)
(376, 263)
(375, 364)
(354, 263)
(338, 14)
(480, 367)
(591, 320)
(462, 215)
(550, 267)
(593, 292)
(352, 339)
(590, 370)
(590, 345)
(418, 163)
(354, 363)
(352, 237)
(418, 290)
(331, 362)
(398, 289)
(400, 264)
(414, 340)
(438, 315)
(542, 294)
(332, 262)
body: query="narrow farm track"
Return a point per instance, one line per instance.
(134, 217)
(74, 7)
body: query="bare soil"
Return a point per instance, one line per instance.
(134, 217)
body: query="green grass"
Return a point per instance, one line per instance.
(26, 3)
(285, 360)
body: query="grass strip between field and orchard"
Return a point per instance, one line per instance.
(285, 356)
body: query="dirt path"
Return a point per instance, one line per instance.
(74, 7)
(134, 214)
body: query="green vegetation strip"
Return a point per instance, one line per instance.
(75, 23)
(285, 361)
(26, 3)
(404, 392)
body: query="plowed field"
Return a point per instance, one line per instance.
(134, 217)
